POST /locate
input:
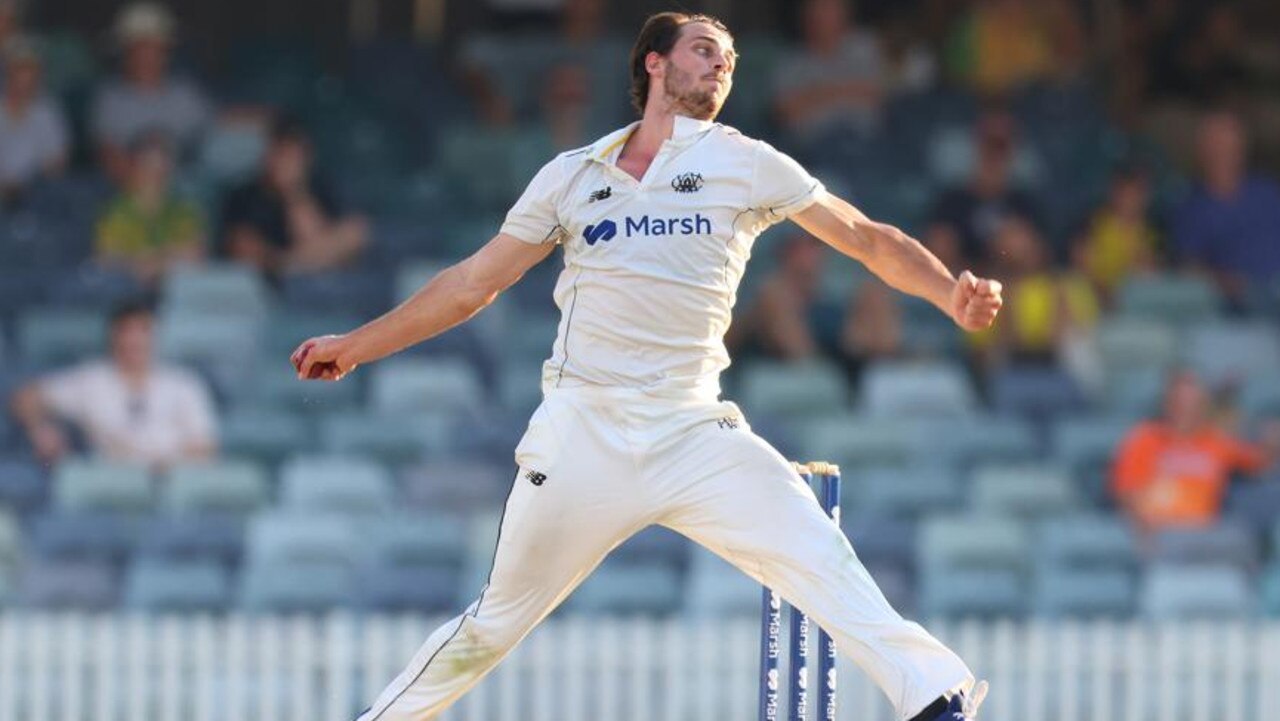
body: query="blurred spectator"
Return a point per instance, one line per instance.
(566, 108)
(836, 80)
(10, 26)
(146, 97)
(778, 323)
(1174, 470)
(288, 219)
(1229, 225)
(147, 229)
(1120, 239)
(129, 407)
(33, 131)
(966, 218)
(873, 327)
(1000, 45)
(1046, 313)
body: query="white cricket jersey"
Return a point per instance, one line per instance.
(652, 266)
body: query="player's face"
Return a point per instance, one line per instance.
(698, 74)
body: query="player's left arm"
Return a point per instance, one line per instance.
(901, 261)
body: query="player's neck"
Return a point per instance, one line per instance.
(655, 128)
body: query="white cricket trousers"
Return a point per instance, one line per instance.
(609, 462)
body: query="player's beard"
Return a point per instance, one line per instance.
(685, 97)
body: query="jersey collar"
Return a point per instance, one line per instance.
(683, 131)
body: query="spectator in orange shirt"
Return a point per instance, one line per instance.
(1174, 471)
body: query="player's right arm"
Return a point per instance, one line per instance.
(532, 229)
(453, 296)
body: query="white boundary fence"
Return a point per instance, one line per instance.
(136, 668)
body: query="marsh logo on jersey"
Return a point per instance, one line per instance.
(604, 230)
(687, 183)
(697, 224)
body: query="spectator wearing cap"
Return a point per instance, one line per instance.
(33, 130)
(147, 228)
(129, 407)
(1229, 224)
(288, 219)
(146, 96)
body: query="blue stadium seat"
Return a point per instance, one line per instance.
(336, 484)
(979, 439)
(971, 593)
(858, 441)
(226, 345)
(421, 384)
(1270, 591)
(287, 328)
(881, 539)
(401, 438)
(520, 382)
(55, 336)
(1088, 441)
(284, 537)
(23, 484)
(84, 536)
(651, 589)
(1134, 392)
(409, 540)
(93, 287)
(457, 484)
(238, 487)
(363, 293)
(224, 289)
(793, 389)
(1260, 397)
(1025, 490)
(152, 585)
(909, 491)
(312, 586)
(1087, 541)
(715, 589)
(275, 384)
(1254, 504)
(1084, 593)
(92, 485)
(1125, 343)
(1177, 300)
(1225, 544)
(973, 541)
(67, 585)
(266, 435)
(906, 389)
(1236, 351)
(10, 539)
(1207, 591)
(208, 536)
(655, 543)
(1035, 393)
(231, 152)
(420, 589)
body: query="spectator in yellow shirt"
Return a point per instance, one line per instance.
(1120, 239)
(146, 229)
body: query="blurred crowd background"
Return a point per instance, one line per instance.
(184, 198)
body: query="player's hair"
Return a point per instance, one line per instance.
(659, 35)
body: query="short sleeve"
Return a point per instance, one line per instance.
(65, 392)
(534, 219)
(779, 186)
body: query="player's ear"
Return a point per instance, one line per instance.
(653, 63)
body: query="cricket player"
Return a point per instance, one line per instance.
(656, 222)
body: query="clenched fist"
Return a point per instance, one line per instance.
(326, 358)
(975, 302)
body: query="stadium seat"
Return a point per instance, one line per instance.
(1035, 393)
(963, 593)
(655, 543)
(911, 491)
(1254, 503)
(90, 485)
(1125, 343)
(1260, 396)
(1134, 392)
(208, 536)
(1084, 593)
(793, 389)
(284, 537)
(651, 589)
(1234, 351)
(223, 289)
(336, 485)
(857, 441)
(1087, 441)
(1172, 299)
(67, 585)
(152, 585)
(452, 485)
(1210, 591)
(520, 383)
(1270, 591)
(395, 438)
(84, 536)
(906, 389)
(211, 340)
(420, 589)
(1025, 490)
(265, 435)
(421, 384)
(1224, 544)
(409, 540)
(238, 487)
(1086, 541)
(979, 439)
(287, 328)
(363, 293)
(10, 539)
(56, 336)
(231, 152)
(881, 540)
(974, 541)
(23, 484)
(275, 384)
(311, 586)
(715, 589)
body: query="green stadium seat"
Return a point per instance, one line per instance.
(425, 384)
(395, 438)
(338, 484)
(1172, 299)
(236, 487)
(1173, 591)
(907, 389)
(793, 389)
(1027, 490)
(188, 586)
(266, 435)
(91, 485)
(223, 289)
(52, 336)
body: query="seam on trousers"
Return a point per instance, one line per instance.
(463, 620)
